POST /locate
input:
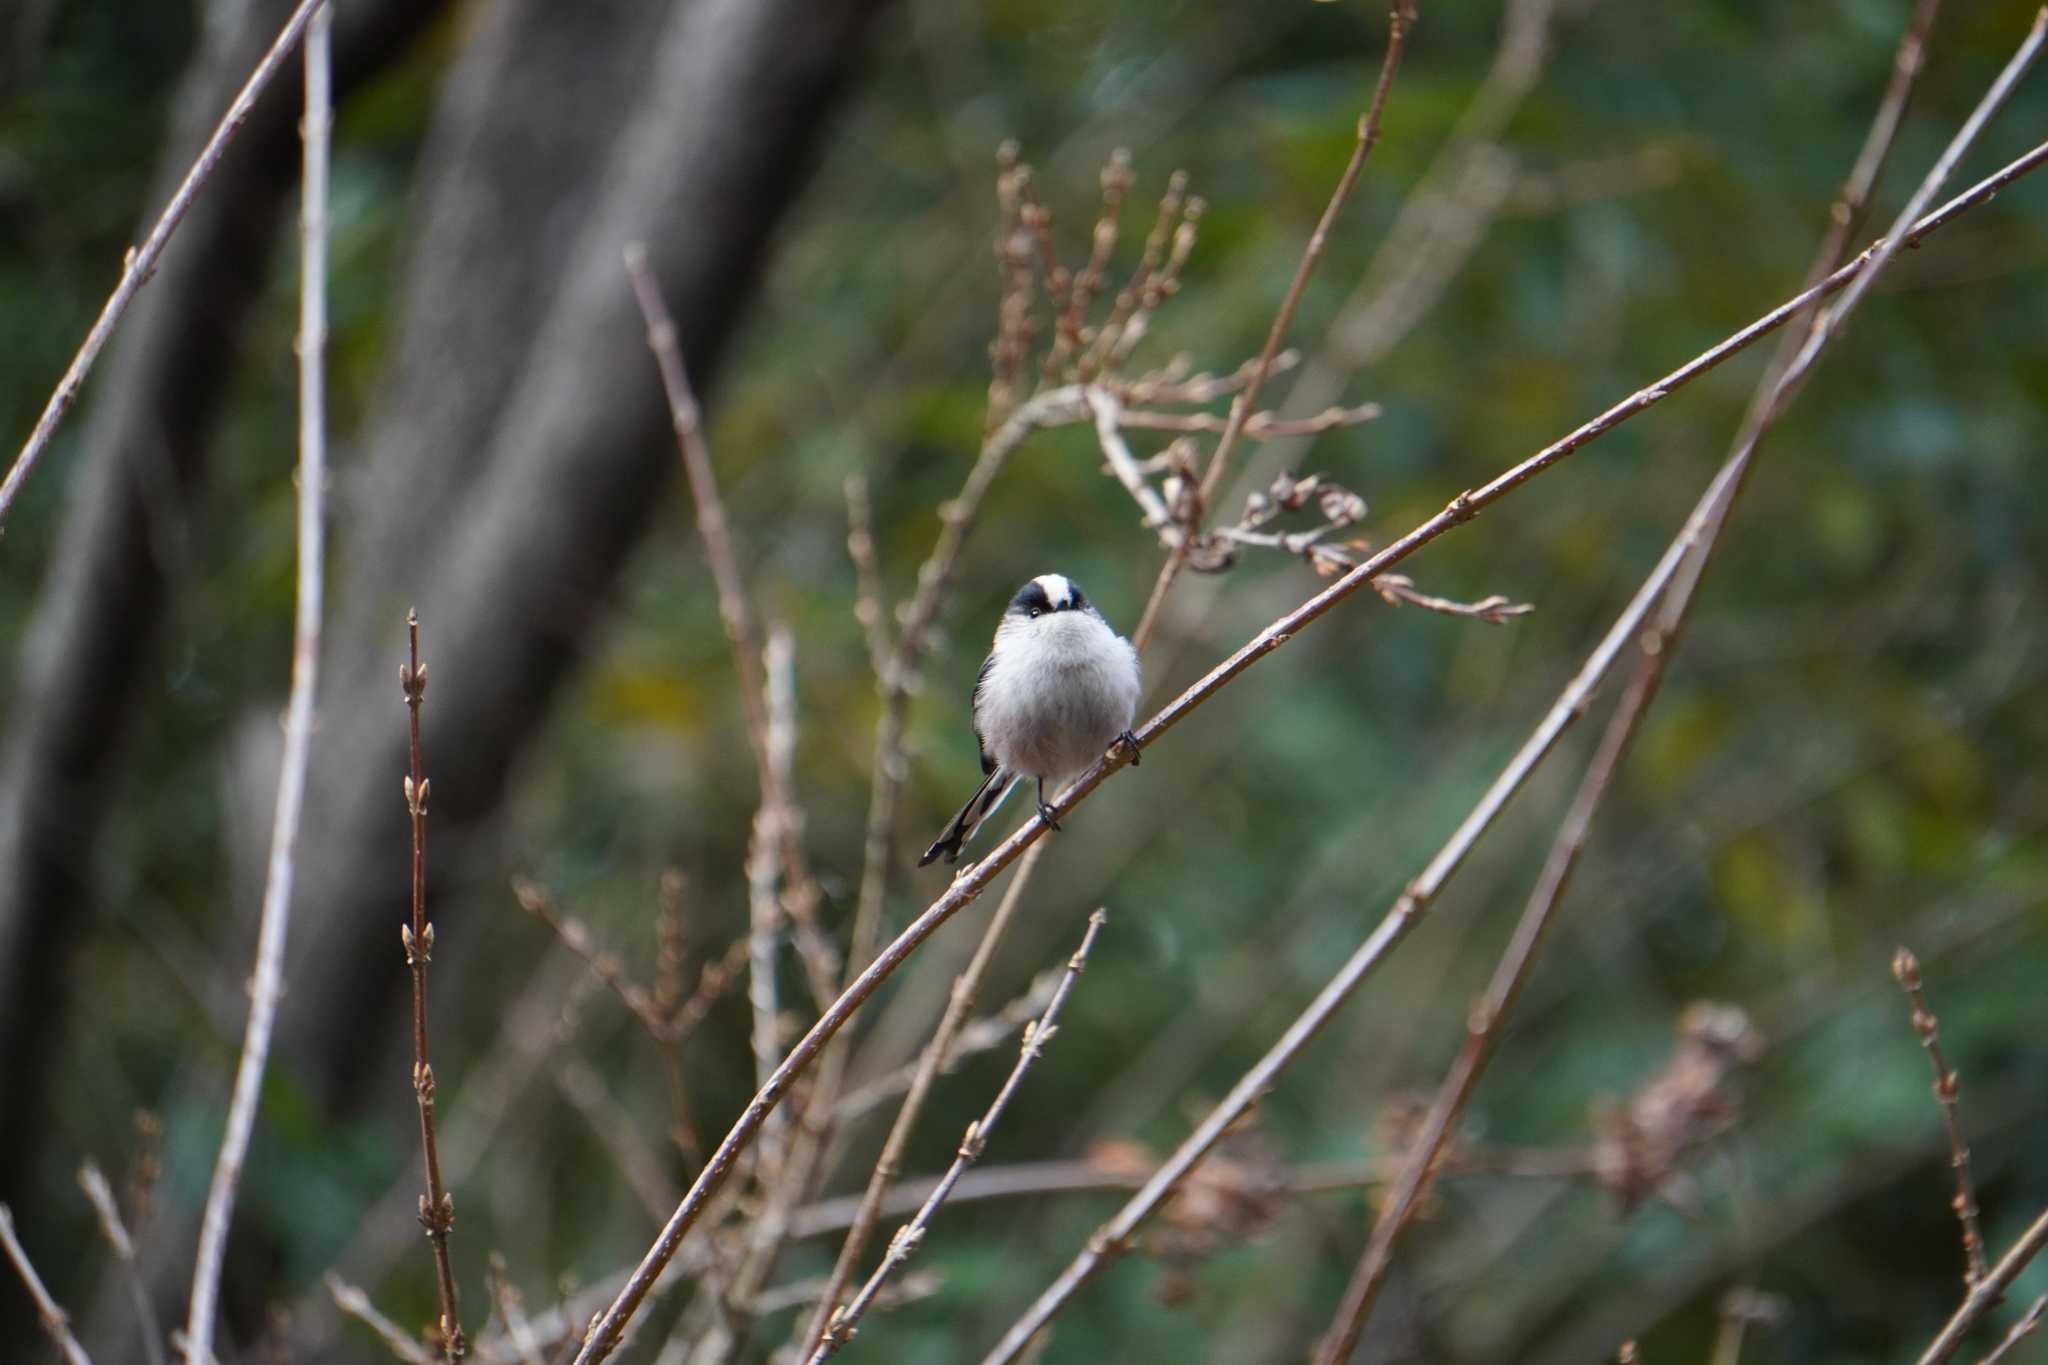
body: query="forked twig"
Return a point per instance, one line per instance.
(841, 1328)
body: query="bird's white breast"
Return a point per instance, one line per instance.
(1059, 689)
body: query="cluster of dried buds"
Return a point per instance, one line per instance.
(1059, 358)
(1339, 508)
(1639, 1147)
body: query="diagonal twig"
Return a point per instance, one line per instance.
(840, 1330)
(140, 262)
(56, 1323)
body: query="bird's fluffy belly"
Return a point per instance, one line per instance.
(1053, 715)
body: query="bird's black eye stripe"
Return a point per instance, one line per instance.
(1031, 600)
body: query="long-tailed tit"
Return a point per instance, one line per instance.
(1059, 687)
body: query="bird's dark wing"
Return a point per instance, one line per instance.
(988, 762)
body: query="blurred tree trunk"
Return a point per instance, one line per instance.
(518, 447)
(122, 550)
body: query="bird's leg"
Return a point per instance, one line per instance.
(1044, 810)
(1129, 741)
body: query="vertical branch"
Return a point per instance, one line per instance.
(267, 982)
(437, 1205)
(140, 262)
(1906, 971)
(1036, 1035)
(56, 1323)
(1399, 20)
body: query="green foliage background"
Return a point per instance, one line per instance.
(1848, 753)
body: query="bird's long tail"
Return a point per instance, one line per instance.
(979, 807)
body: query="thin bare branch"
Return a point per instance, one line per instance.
(800, 891)
(436, 1206)
(1987, 1292)
(975, 878)
(867, 572)
(100, 1194)
(978, 1036)
(56, 1323)
(267, 981)
(1399, 20)
(2021, 1330)
(937, 1052)
(1906, 971)
(140, 262)
(354, 1302)
(1708, 519)
(511, 1312)
(841, 1328)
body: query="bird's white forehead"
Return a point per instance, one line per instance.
(1058, 591)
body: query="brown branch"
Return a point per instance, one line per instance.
(574, 935)
(867, 572)
(1987, 1292)
(1399, 20)
(1708, 519)
(140, 262)
(267, 977)
(2021, 1330)
(56, 1323)
(1906, 971)
(801, 891)
(975, 878)
(976, 1037)
(1263, 426)
(107, 1209)
(354, 1302)
(437, 1205)
(841, 1328)
(937, 1052)
(511, 1312)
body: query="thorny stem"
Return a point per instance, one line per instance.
(1484, 1025)
(437, 1206)
(266, 985)
(1399, 20)
(140, 262)
(604, 1335)
(841, 1328)
(1906, 970)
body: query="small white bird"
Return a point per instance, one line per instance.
(1058, 688)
